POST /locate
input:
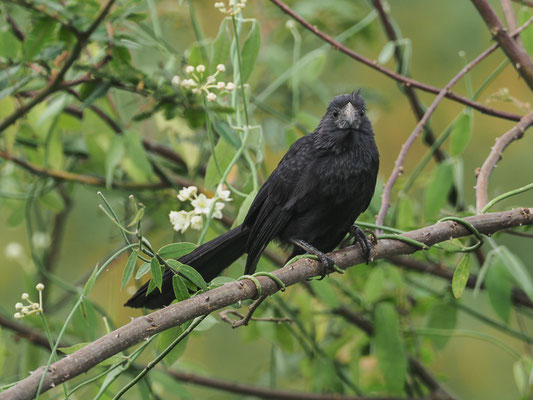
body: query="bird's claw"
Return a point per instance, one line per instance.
(365, 244)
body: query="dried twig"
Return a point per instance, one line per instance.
(482, 186)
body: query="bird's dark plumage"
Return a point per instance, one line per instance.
(320, 187)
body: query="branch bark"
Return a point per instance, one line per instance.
(516, 53)
(400, 78)
(233, 292)
(482, 186)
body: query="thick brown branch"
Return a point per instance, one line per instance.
(516, 53)
(400, 78)
(233, 292)
(482, 186)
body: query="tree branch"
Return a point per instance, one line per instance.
(55, 83)
(482, 186)
(516, 53)
(400, 78)
(87, 179)
(233, 292)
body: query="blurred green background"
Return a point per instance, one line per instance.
(438, 31)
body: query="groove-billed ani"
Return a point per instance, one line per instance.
(310, 201)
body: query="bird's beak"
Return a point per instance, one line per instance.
(350, 116)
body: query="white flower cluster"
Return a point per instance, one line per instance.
(199, 83)
(31, 308)
(14, 250)
(183, 220)
(233, 8)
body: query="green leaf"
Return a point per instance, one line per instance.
(157, 275)
(438, 189)
(405, 213)
(460, 276)
(386, 53)
(250, 51)
(374, 286)
(442, 316)
(113, 157)
(180, 289)
(176, 250)
(192, 275)
(166, 338)
(136, 163)
(527, 34)
(128, 270)
(224, 154)
(9, 45)
(462, 131)
(40, 35)
(499, 284)
(98, 90)
(245, 206)
(90, 282)
(222, 44)
(518, 270)
(151, 287)
(145, 267)
(390, 349)
(325, 292)
(224, 130)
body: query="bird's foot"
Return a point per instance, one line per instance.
(327, 262)
(366, 245)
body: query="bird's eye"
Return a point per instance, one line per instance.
(335, 114)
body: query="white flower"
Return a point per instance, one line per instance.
(217, 213)
(189, 69)
(175, 80)
(19, 306)
(187, 83)
(210, 79)
(18, 315)
(196, 222)
(180, 220)
(187, 193)
(219, 5)
(25, 296)
(223, 194)
(202, 205)
(211, 97)
(221, 67)
(230, 86)
(221, 85)
(40, 240)
(14, 250)
(200, 68)
(39, 287)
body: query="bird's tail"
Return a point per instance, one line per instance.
(209, 259)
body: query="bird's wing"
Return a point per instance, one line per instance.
(282, 195)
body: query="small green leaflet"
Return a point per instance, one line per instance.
(222, 43)
(192, 275)
(157, 275)
(180, 289)
(386, 53)
(130, 266)
(142, 271)
(462, 131)
(460, 276)
(176, 250)
(442, 316)
(438, 189)
(499, 284)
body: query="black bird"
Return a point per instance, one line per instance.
(310, 201)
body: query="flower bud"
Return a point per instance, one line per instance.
(211, 97)
(221, 67)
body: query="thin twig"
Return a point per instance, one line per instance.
(245, 319)
(400, 78)
(482, 186)
(519, 57)
(233, 292)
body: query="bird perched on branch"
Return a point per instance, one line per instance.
(310, 201)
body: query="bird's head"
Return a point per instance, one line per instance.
(347, 112)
